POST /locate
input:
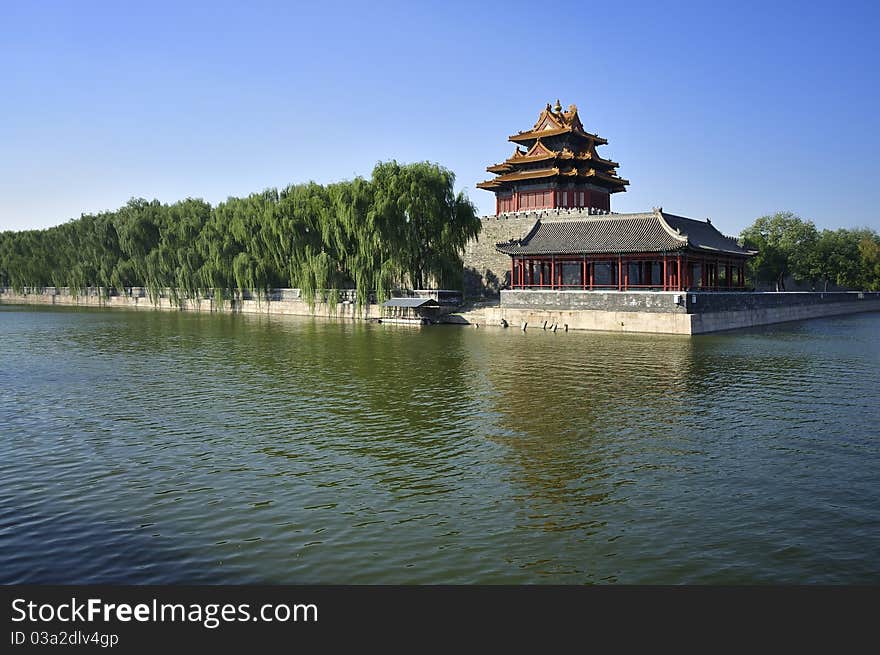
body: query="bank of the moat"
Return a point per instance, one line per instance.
(657, 312)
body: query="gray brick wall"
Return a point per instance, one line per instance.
(664, 301)
(615, 301)
(707, 303)
(486, 271)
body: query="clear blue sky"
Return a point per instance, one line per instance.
(723, 110)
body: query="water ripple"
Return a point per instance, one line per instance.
(151, 447)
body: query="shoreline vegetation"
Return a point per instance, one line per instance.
(789, 246)
(404, 227)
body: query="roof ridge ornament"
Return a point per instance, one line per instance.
(558, 137)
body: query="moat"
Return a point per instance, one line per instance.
(175, 447)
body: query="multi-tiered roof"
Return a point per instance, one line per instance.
(556, 150)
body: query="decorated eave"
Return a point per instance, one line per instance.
(554, 121)
(539, 161)
(623, 233)
(539, 153)
(565, 174)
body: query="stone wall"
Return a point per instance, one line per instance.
(626, 311)
(487, 271)
(280, 301)
(709, 302)
(713, 312)
(670, 312)
(614, 301)
(580, 319)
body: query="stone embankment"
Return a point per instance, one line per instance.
(662, 312)
(278, 301)
(658, 312)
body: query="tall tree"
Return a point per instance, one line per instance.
(424, 222)
(786, 245)
(869, 252)
(837, 258)
(404, 227)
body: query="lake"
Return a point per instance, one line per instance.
(164, 447)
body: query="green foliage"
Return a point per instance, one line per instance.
(869, 251)
(404, 227)
(786, 245)
(789, 245)
(837, 259)
(423, 226)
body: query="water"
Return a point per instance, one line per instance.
(154, 447)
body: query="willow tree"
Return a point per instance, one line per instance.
(403, 227)
(303, 210)
(350, 231)
(137, 226)
(423, 225)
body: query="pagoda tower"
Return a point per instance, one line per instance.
(556, 167)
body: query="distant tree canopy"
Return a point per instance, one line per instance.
(788, 245)
(405, 227)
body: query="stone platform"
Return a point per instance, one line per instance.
(664, 312)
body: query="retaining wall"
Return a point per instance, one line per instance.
(670, 312)
(280, 301)
(626, 311)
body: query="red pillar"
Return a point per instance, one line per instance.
(552, 272)
(619, 273)
(665, 277)
(584, 272)
(513, 272)
(678, 261)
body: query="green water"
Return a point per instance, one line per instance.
(154, 447)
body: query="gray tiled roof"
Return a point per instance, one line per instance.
(410, 302)
(702, 235)
(620, 233)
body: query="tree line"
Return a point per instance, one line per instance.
(404, 227)
(789, 246)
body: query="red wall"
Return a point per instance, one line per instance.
(551, 198)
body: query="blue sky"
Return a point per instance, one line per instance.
(723, 110)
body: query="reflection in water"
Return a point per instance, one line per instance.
(172, 447)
